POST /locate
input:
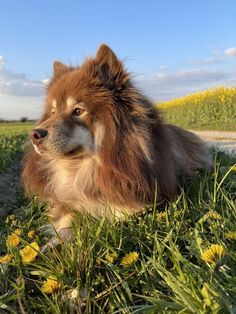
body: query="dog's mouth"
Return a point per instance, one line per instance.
(75, 151)
(37, 149)
(41, 150)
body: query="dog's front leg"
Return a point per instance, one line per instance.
(61, 223)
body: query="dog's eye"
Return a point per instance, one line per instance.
(78, 112)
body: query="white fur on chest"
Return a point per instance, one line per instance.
(70, 182)
(70, 179)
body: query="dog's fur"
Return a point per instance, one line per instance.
(107, 150)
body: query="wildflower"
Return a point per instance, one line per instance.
(233, 168)
(31, 234)
(50, 285)
(213, 214)
(18, 232)
(6, 259)
(111, 257)
(72, 294)
(129, 259)
(12, 240)
(29, 253)
(214, 254)
(161, 216)
(230, 235)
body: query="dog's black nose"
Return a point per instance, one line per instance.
(38, 134)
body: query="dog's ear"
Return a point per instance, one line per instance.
(59, 69)
(110, 68)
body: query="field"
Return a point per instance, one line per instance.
(177, 258)
(213, 109)
(12, 140)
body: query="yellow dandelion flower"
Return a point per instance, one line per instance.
(18, 232)
(12, 240)
(129, 259)
(50, 285)
(161, 216)
(6, 259)
(230, 235)
(214, 254)
(29, 253)
(111, 257)
(31, 234)
(233, 168)
(213, 214)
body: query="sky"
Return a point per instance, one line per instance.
(171, 47)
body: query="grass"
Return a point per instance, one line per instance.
(213, 109)
(164, 273)
(12, 140)
(15, 128)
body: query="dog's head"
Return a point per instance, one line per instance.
(95, 110)
(81, 107)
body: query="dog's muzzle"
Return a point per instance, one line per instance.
(38, 135)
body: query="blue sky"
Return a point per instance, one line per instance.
(172, 47)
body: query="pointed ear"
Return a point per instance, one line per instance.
(60, 69)
(110, 68)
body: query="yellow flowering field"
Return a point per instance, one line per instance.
(209, 109)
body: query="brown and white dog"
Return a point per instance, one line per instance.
(102, 148)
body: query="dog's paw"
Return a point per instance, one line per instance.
(59, 236)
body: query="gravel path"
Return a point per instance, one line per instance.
(223, 140)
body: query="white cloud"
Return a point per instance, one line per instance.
(19, 95)
(2, 62)
(164, 86)
(14, 107)
(230, 52)
(18, 84)
(163, 68)
(189, 77)
(211, 60)
(46, 81)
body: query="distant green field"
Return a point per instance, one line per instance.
(213, 109)
(12, 139)
(15, 128)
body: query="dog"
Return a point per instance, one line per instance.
(102, 148)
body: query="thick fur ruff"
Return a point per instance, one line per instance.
(112, 156)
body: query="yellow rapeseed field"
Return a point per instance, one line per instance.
(208, 109)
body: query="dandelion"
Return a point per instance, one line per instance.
(161, 216)
(18, 232)
(29, 253)
(233, 168)
(72, 294)
(31, 234)
(6, 259)
(12, 240)
(111, 257)
(129, 259)
(230, 235)
(214, 254)
(50, 285)
(213, 214)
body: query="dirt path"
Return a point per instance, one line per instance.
(10, 190)
(223, 140)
